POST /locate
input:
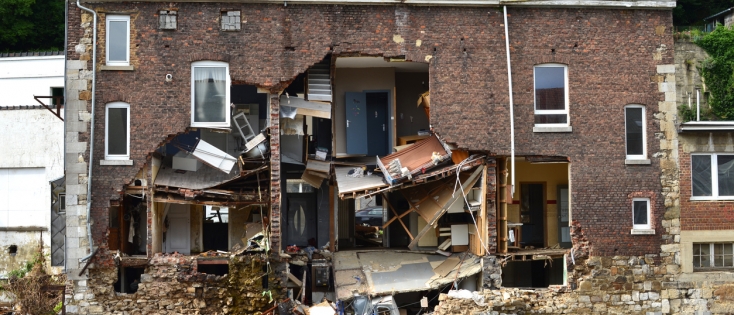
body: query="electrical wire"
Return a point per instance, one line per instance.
(466, 201)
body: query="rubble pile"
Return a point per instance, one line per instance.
(171, 284)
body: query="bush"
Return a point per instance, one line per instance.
(718, 70)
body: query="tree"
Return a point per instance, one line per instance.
(692, 12)
(31, 25)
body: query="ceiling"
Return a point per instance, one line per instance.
(379, 62)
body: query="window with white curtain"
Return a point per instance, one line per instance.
(210, 94)
(712, 176)
(117, 40)
(117, 131)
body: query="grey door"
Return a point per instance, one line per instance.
(377, 124)
(564, 231)
(356, 120)
(301, 218)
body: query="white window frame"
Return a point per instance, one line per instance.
(211, 64)
(647, 226)
(643, 156)
(117, 18)
(714, 178)
(564, 111)
(106, 132)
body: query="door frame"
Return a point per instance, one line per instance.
(545, 207)
(181, 214)
(558, 204)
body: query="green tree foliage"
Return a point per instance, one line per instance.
(692, 12)
(718, 70)
(31, 25)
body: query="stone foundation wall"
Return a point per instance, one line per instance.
(647, 284)
(172, 284)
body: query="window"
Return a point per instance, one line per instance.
(117, 131)
(634, 124)
(641, 214)
(713, 255)
(118, 40)
(210, 94)
(230, 20)
(167, 19)
(58, 95)
(551, 95)
(712, 176)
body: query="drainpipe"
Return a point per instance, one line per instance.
(512, 105)
(503, 233)
(698, 105)
(66, 59)
(91, 130)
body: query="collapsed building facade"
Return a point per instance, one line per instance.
(224, 157)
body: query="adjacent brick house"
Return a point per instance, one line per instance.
(576, 166)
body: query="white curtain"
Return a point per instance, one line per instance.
(210, 84)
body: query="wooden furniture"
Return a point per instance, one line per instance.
(410, 139)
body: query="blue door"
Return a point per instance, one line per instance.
(356, 120)
(377, 124)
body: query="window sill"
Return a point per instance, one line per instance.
(637, 162)
(642, 232)
(118, 68)
(553, 129)
(712, 199)
(115, 162)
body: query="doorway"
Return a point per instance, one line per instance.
(532, 212)
(178, 230)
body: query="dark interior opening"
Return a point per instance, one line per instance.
(214, 269)
(128, 279)
(533, 273)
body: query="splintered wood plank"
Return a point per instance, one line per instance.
(384, 197)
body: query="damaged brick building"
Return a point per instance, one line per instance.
(225, 156)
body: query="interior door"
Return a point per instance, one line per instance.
(532, 208)
(377, 124)
(178, 234)
(564, 231)
(356, 119)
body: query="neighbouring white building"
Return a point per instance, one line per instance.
(31, 158)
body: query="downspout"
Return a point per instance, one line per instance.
(91, 131)
(66, 59)
(503, 207)
(512, 105)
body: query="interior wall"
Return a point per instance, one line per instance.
(408, 87)
(238, 217)
(553, 174)
(355, 80)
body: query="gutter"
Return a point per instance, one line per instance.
(91, 131)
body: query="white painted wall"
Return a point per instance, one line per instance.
(23, 77)
(31, 144)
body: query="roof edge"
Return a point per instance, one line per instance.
(631, 4)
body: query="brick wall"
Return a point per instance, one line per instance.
(609, 53)
(702, 214)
